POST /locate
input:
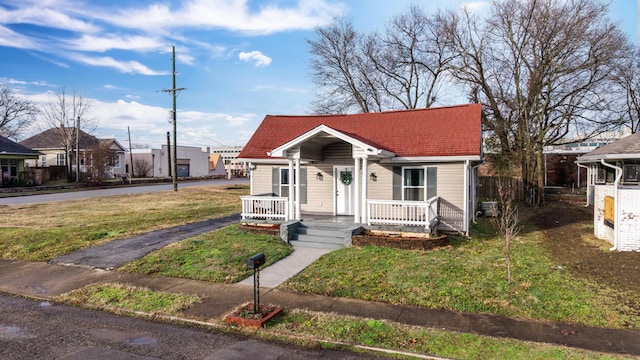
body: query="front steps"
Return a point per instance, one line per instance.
(324, 235)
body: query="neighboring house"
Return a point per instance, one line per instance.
(559, 163)
(405, 169)
(50, 144)
(192, 161)
(12, 162)
(229, 156)
(216, 165)
(614, 191)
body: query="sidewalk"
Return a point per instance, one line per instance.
(48, 280)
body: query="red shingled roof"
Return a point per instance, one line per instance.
(444, 131)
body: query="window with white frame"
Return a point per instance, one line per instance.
(43, 160)
(116, 161)
(284, 181)
(61, 159)
(419, 183)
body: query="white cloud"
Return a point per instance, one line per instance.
(132, 67)
(10, 38)
(475, 6)
(52, 16)
(233, 15)
(258, 58)
(110, 42)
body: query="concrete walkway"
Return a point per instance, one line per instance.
(277, 273)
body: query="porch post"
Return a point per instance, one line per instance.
(365, 183)
(356, 187)
(290, 199)
(297, 183)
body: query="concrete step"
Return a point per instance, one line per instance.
(317, 245)
(322, 231)
(320, 238)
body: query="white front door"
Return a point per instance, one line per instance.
(345, 190)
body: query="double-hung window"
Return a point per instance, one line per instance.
(284, 181)
(61, 159)
(419, 183)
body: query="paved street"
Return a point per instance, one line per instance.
(83, 194)
(42, 330)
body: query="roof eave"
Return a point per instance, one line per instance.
(597, 158)
(433, 159)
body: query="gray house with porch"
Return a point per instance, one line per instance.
(412, 170)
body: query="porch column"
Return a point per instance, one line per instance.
(297, 183)
(365, 194)
(290, 199)
(356, 195)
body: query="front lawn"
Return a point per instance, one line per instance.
(41, 232)
(470, 276)
(218, 256)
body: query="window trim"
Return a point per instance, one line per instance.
(280, 184)
(425, 186)
(625, 169)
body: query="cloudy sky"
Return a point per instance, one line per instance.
(238, 59)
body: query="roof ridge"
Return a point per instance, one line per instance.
(375, 112)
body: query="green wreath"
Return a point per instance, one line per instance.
(346, 178)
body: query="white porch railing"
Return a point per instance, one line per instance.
(408, 213)
(264, 207)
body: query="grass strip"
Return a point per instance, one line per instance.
(307, 328)
(128, 297)
(415, 339)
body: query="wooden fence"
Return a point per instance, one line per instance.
(488, 187)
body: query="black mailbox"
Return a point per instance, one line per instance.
(255, 261)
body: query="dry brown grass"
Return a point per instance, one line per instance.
(43, 231)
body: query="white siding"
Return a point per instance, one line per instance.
(600, 229)
(319, 192)
(261, 180)
(382, 188)
(451, 192)
(629, 220)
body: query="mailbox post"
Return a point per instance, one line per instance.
(254, 263)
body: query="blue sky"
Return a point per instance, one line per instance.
(239, 60)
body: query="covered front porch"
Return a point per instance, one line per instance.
(419, 216)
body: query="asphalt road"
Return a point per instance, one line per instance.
(84, 194)
(41, 330)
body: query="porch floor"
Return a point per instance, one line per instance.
(328, 218)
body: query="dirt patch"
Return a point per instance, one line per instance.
(568, 228)
(400, 242)
(268, 229)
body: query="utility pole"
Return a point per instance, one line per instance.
(130, 154)
(174, 92)
(78, 150)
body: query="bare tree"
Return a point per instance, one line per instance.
(141, 167)
(506, 221)
(543, 70)
(401, 68)
(410, 58)
(629, 79)
(16, 113)
(341, 70)
(99, 161)
(69, 114)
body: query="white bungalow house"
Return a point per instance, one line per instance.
(412, 170)
(613, 173)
